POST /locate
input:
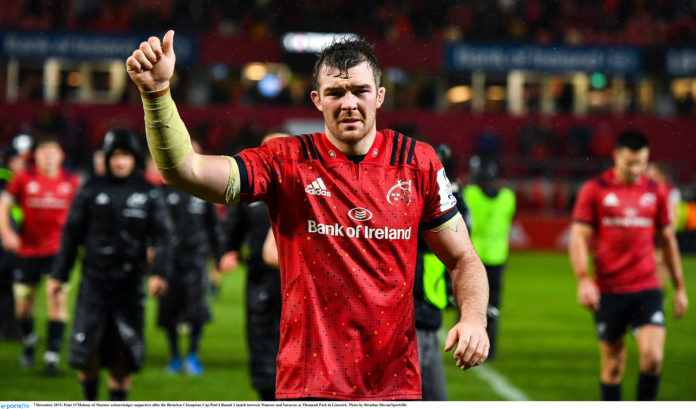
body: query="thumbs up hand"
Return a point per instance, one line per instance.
(152, 65)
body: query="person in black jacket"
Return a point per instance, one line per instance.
(250, 224)
(115, 218)
(197, 233)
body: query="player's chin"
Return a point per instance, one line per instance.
(351, 135)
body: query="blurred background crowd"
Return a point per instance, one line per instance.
(638, 23)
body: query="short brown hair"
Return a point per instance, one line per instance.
(347, 53)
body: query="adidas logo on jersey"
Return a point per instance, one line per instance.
(317, 188)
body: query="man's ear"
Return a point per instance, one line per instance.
(317, 100)
(380, 96)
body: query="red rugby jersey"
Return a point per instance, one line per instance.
(347, 237)
(625, 219)
(45, 203)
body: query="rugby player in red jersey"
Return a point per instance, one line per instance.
(623, 210)
(44, 194)
(346, 206)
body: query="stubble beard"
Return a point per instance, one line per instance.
(353, 137)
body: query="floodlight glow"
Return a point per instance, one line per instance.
(312, 42)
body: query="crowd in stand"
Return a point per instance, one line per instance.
(645, 23)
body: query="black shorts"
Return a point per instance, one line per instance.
(113, 352)
(28, 270)
(617, 311)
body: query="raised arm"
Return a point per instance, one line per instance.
(470, 286)
(212, 178)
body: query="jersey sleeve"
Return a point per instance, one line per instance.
(258, 169)
(584, 210)
(663, 216)
(440, 205)
(14, 187)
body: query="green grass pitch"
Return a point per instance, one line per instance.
(547, 347)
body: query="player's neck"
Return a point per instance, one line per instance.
(49, 174)
(360, 147)
(621, 179)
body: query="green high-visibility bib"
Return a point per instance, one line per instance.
(491, 220)
(434, 286)
(15, 211)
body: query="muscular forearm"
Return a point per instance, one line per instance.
(578, 249)
(4, 215)
(6, 229)
(470, 287)
(167, 137)
(212, 178)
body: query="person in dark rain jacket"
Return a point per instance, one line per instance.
(249, 224)
(115, 218)
(197, 234)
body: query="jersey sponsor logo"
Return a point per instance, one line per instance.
(102, 199)
(135, 204)
(317, 188)
(400, 192)
(647, 200)
(627, 221)
(360, 214)
(136, 213)
(360, 231)
(48, 202)
(447, 200)
(136, 200)
(610, 200)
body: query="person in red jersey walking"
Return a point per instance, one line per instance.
(44, 193)
(346, 206)
(623, 210)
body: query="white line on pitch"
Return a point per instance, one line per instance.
(499, 383)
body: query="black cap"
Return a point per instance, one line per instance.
(482, 169)
(122, 139)
(443, 152)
